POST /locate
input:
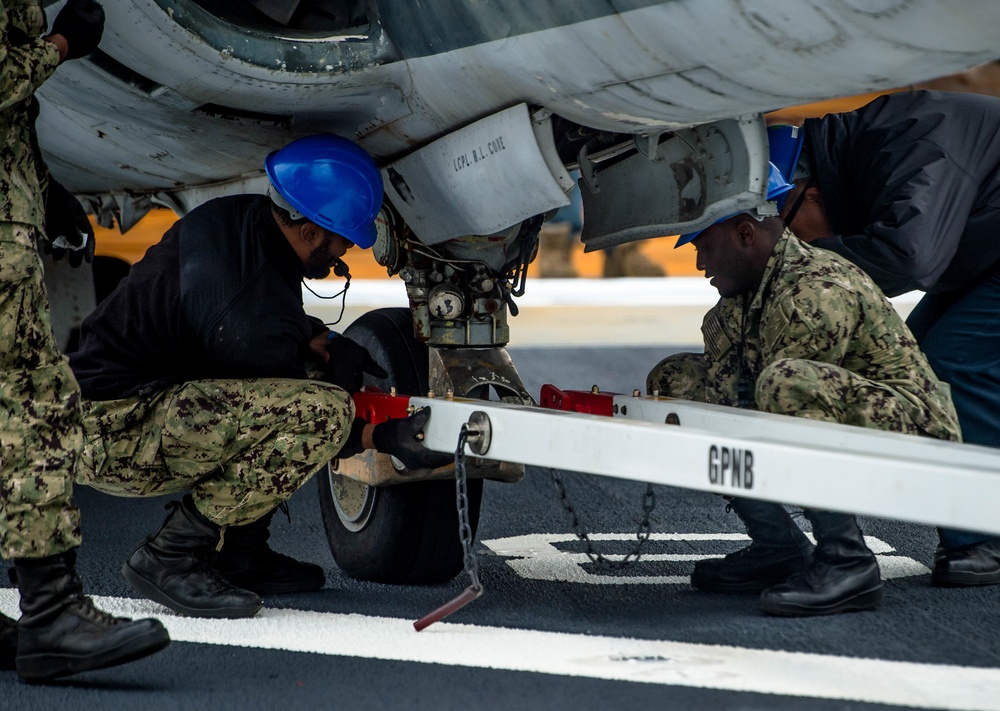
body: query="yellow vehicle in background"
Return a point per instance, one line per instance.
(117, 251)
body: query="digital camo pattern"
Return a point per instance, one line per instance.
(240, 446)
(40, 432)
(39, 399)
(817, 340)
(692, 376)
(25, 63)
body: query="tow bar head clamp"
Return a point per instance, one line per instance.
(479, 432)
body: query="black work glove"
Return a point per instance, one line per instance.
(399, 438)
(81, 22)
(67, 229)
(348, 363)
(352, 445)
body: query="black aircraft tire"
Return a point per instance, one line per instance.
(407, 533)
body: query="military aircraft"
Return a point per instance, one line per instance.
(476, 110)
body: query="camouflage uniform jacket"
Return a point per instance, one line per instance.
(815, 305)
(25, 63)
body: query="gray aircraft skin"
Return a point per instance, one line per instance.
(185, 97)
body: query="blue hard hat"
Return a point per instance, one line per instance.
(784, 146)
(777, 189)
(331, 181)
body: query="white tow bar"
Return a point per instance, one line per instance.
(736, 453)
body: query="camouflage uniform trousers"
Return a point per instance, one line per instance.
(40, 427)
(240, 446)
(800, 388)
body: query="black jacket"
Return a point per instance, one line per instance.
(911, 183)
(218, 297)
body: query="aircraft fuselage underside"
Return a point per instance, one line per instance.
(184, 99)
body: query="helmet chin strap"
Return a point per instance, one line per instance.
(798, 203)
(279, 200)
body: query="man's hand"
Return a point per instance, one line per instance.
(81, 23)
(67, 229)
(400, 439)
(348, 363)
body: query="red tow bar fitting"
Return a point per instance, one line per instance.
(587, 402)
(376, 406)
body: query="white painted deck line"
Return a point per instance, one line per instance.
(536, 556)
(596, 657)
(558, 312)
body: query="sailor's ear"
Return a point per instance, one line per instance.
(310, 231)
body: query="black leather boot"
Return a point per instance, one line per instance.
(777, 551)
(977, 564)
(176, 568)
(843, 575)
(248, 562)
(61, 632)
(8, 643)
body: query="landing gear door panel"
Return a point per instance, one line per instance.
(475, 181)
(679, 182)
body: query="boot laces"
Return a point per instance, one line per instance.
(745, 552)
(206, 566)
(84, 608)
(817, 571)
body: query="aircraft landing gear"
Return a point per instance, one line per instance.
(406, 533)
(388, 524)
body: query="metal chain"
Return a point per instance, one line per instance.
(469, 562)
(641, 534)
